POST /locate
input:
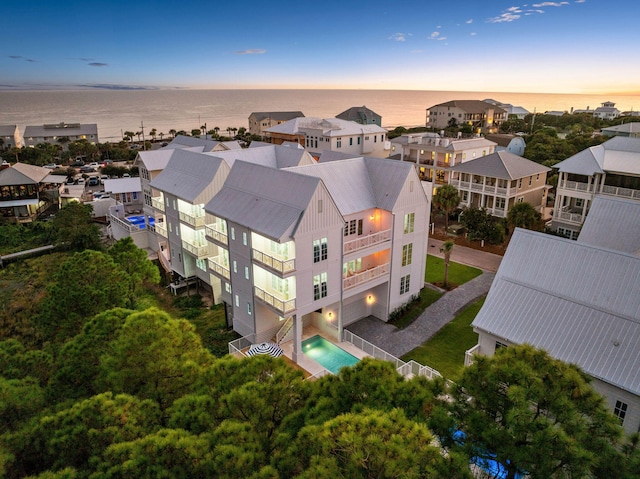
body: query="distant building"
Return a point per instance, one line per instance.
(202, 144)
(512, 143)
(481, 116)
(10, 137)
(631, 130)
(512, 111)
(259, 121)
(555, 113)
(607, 111)
(361, 115)
(60, 134)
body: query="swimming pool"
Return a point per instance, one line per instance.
(326, 353)
(138, 220)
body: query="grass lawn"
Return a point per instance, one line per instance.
(445, 351)
(458, 273)
(428, 296)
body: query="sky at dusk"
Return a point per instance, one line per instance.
(573, 46)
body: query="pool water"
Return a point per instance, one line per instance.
(138, 220)
(326, 353)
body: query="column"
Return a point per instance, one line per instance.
(297, 338)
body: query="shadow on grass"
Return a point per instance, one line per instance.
(427, 297)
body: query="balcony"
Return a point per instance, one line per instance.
(200, 251)
(161, 230)
(577, 186)
(362, 277)
(282, 306)
(282, 266)
(215, 234)
(571, 217)
(366, 241)
(195, 221)
(158, 203)
(623, 192)
(219, 265)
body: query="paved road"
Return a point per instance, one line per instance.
(400, 341)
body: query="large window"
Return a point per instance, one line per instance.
(319, 250)
(409, 219)
(352, 227)
(620, 411)
(320, 286)
(407, 251)
(405, 283)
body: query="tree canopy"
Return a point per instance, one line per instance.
(75, 228)
(447, 199)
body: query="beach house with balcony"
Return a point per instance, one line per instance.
(498, 181)
(579, 301)
(361, 115)
(607, 111)
(260, 121)
(480, 115)
(321, 245)
(612, 168)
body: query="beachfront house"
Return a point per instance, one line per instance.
(512, 111)
(480, 115)
(607, 111)
(578, 301)
(321, 245)
(10, 137)
(500, 180)
(361, 115)
(612, 168)
(260, 121)
(60, 134)
(333, 134)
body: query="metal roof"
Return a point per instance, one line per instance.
(633, 127)
(61, 129)
(361, 113)
(123, 185)
(276, 115)
(273, 156)
(578, 302)
(332, 127)
(613, 223)
(619, 154)
(8, 130)
(470, 106)
(23, 174)
(501, 164)
(184, 140)
(156, 160)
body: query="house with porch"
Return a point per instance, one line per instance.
(260, 121)
(579, 301)
(607, 111)
(60, 134)
(317, 246)
(612, 168)
(26, 191)
(500, 180)
(480, 115)
(361, 115)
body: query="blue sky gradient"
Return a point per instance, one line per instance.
(572, 46)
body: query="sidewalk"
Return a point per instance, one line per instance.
(469, 256)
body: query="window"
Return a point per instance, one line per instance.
(249, 309)
(358, 140)
(350, 141)
(319, 250)
(404, 284)
(338, 142)
(530, 180)
(244, 238)
(319, 206)
(407, 252)
(235, 266)
(320, 286)
(352, 227)
(500, 345)
(359, 227)
(579, 202)
(246, 272)
(520, 200)
(233, 233)
(408, 222)
(465, 196)
(620, 411)
(520, 183)
(500, 202)
(237, 301)
(227, 287)
(375, 139)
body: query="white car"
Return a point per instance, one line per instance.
(94, 164)
(81, 181)
(102, 178)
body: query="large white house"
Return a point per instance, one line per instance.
(321, 245)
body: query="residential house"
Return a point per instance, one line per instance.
(612, 168)
(26, 191)
(10, 137)
(332, 134)
(500, 180)
(60, 134)
(204, 144)
(260, 121)
(607, 111)
(321, 245)
(514, 144)
(126, 191)
(433, 155)
(631, 130)
(361, 115)
(481, 116)
(512, 111)
(579, 302)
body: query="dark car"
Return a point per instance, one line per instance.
(94, 181)
(78, 163)
(87, 169)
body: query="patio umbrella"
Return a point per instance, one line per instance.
(272, 349)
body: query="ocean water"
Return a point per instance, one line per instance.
(116, 111)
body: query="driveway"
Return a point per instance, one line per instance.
(469, 256)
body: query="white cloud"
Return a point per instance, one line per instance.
(251, 51)
(469, 21)
(549, 4)
(473, 34)
(399, 37)
(436, 36)
(504, 17)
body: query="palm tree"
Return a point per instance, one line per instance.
(172, 132)
(447, 199)
(524, 215)
(160, 135)
(216, 129)
(153, 133)
(446, 249)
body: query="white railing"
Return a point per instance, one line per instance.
(212, 232)
(195, 221)
(365, 276)
(158, 203)
(571, 217)
(161, 230)
(284, 330)
(217, 264)
(236, 346)
(365, 241)
(618, 191)
(123, 224)
(408, 370)
(477, 186)
(501, 191)
(498, 211)
(578, 186)
(281, 305)
(198, 250)
(164, 261)
(469, 353)
(281, 265)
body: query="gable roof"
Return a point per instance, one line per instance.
(23, 174)
(502, 139)
(501, 164)
(61, 129)
(8, 130)
(273, 156)
(619, 154)
(156, 160)
(182, 140)
(276, 115)
(123, 185)
(578, 302)
(632, 127)
(358, 113)
(329, 126)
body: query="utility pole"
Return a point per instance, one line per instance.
(144, 147)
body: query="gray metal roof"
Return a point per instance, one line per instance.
(332, 127)
(633, 127)
(8, 130)
(61, 129)
(501, 164)
(123, 185)
(187, 174)
(276, 115)
(578, 302)
(361, 113)
(266, 200)
(23, 174)
(619, 154)
(273, 156)
(470, 106)
(613, 223)
(183, 140)
(156, 160)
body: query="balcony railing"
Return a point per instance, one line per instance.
(281, 305)
(212, 232)
(571, 217)
(217, 264)
(365, 276)
(469, 353)
(366, 241)
(618, 191)
(578, 186)
(195, 249)
(280, 265)
(158, 203)
(195, 221)
(161, 230)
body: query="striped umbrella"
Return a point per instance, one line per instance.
(272, 349)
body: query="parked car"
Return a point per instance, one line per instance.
(81, 181)
(94, 164)
(107, 163)
(87, 169)
(126, 175)
(78, 163)
(102, 178)
(52, 166)
(94, 181)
